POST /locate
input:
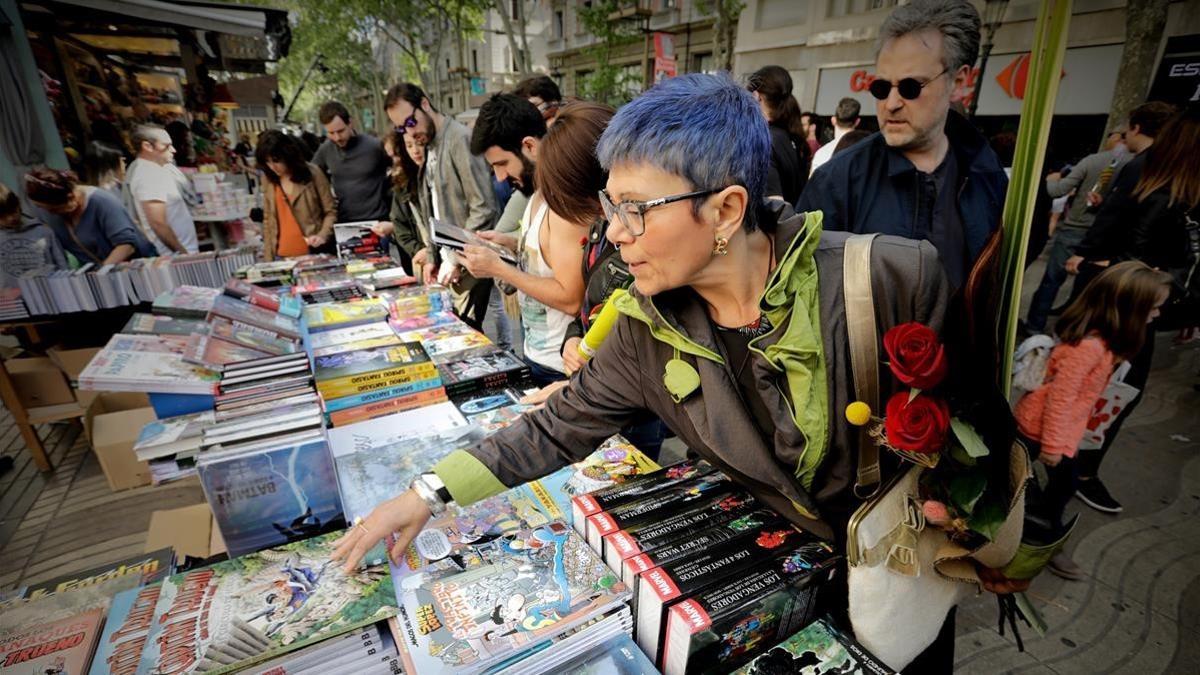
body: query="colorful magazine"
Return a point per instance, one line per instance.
(161, 324)
(150, 363)
(252, 315)
(818, 648)
(215, 353)
(274, 496)
(276, 302)
(343, 314)
(130, 617)
(551, 582)
(246, 610)
(63, 646)
(252, 337)
(339, 336)
(186, 301)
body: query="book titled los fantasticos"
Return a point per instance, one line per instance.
(655, 506)
(720, 508)
(725, 625)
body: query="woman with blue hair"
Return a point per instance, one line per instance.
(733, 333)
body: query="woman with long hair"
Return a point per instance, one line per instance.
(407, 157)
(298, 208)
(790, 152)
(1151, 214)
(105, 167)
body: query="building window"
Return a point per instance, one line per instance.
(849, 7)
(450, 103)
(580, 28)
(516, 8)
(475, 60)
(558, 25)
(777, 13)
(703, 63)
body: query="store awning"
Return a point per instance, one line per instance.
(221, 18)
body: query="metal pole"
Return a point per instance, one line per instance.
(299, 90)
(985, 52)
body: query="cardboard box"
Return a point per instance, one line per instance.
(190, 530)
(72, 362)
(113, 436)
(39, 382)
(110, 402)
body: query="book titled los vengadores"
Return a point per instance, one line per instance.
(590, 504)
(653, 507)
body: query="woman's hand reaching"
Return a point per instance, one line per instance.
(404, 515)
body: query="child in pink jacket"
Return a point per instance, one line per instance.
(1105, 325)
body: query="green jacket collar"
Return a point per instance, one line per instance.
(793, 347)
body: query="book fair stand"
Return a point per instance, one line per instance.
(300, 394)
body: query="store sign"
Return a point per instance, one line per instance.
(664, 56)
(1177, 79)
(1088, 79)
(478, 86)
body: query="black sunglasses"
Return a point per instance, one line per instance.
(408, 124)
(909, 88)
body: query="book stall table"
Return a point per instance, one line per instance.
(305, 392)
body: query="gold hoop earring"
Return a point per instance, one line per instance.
(721, 247)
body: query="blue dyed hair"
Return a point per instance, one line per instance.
(703, 128)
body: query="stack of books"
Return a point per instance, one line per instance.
(355, 240)
(147, 363)
(329, 316)
(248, 327)
(93, 286)
(704, 561)
(11, 306)
(272, 273)
(449, 341)
(818, 648)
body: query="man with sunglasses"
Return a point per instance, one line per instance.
(455, 186)
(928, 174)
(356, 165)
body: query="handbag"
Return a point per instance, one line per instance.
(903, 577)
(1116, 397)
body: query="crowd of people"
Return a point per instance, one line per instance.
(719, 209)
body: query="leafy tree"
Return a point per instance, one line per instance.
(607, 83)
(1145, 21)
(726, 13)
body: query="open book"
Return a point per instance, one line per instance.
(455, 237)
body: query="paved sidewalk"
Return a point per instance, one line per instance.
(1138, 611)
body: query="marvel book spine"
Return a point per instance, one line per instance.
(590, 504)
(654, 507)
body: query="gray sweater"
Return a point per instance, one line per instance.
(1083, 177)
(30, 246)
(463, 182)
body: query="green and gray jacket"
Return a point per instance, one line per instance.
(802, 368)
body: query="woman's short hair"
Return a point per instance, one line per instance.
(50, 186)
(568, 173)
(276, 146)
(704, 128)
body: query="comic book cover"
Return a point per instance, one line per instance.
(475, 535)
(447, 339)
(155, 324)
(146, 363)
(818, 648)
(189, 302)
(56, 647)
(249, 609)
(253, 315)
(276, 302)
(422, 321)
(336, 372)
(343, 314)
(251, 336)
(270, 497)
(215, 354)
(125, 630)
(147, 568)
(357, 345)
(549, 582)
(339, 336)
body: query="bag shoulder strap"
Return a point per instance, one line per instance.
(864, 352)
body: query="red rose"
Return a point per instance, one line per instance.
(919, 425)
(915, 355)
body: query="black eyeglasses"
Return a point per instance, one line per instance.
(407, 124)
(632, 214)
(909, 88)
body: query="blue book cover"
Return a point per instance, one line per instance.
(618, 656)
(130, 618)
(274, 496)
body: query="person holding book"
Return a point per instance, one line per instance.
(715, 266)
(298, 207)
(89, 222)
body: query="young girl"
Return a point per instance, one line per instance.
(1105, 325)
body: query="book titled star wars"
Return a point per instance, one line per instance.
(550, 583)
(723, 626)
(589, 504)
(63, 646)
(246, 610)
(130, 617)
(272, 496)
(688, 575)
(818, 648)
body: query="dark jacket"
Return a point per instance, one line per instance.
(625, 377)
(603, 272)
(312, 207)
(406, 233)
(873, 188)
(788, 171)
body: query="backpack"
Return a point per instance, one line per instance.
(1029, 365)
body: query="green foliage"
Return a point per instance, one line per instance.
(965, 490)
(989, 515)
(608, 83)
(970, 440)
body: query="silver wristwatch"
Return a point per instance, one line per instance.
(433, 492)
